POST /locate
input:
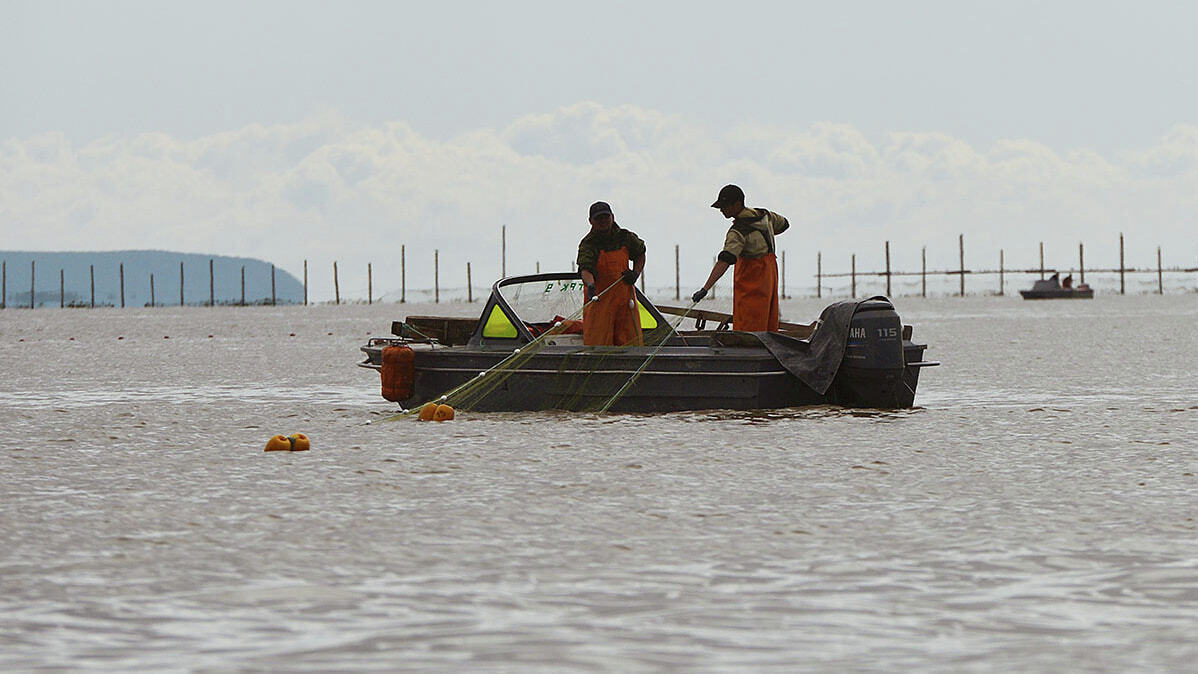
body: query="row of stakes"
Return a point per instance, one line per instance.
(71, 339)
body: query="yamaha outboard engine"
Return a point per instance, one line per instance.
(871, 374)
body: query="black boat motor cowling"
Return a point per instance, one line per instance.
(871, 374)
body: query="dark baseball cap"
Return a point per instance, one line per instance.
(599, 208)
(729, 194)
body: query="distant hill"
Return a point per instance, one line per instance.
(76, 269)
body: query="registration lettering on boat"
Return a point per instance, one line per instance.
(562, 286)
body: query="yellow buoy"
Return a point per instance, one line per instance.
(443, 413)
(278, 443)
(299, 442)
(428, 411)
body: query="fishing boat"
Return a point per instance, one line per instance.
(524, 353)
(1051, 289)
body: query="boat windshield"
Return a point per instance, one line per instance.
(544, 300)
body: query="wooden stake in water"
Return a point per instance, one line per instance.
(369, 284)
(1081, 263)
(1121, 285)
(32, 270)
(152, 302)
(888, 269)
(92, 272)
(819, 274)
(336, 285)
(436, 276)
(853, 276)
(469, 285)
(211, 284)
(62, 290)
(1000, 271)
(1160, 282)
(961, 243)
(122, 285)
(273, 301)
(180, 284)
(677, 276)
(923, 255)
(305, 283)
(243, 285)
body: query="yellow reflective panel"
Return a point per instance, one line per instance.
(647, 320)
(498, 325)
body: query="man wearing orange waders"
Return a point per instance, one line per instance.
(603, 257)
(750, 246)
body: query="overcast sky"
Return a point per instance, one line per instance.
(342, 130)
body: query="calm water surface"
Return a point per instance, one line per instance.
(1035, 513)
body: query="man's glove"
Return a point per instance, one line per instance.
(699, 294)
(630, 276)
(590, 293)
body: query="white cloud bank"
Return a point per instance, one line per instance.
(325, 189)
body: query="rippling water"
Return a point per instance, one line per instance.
(1036, 512)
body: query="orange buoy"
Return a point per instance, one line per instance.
(398, 372)
(428, 412)
(443, 413)
(278, 443)
(299, 442)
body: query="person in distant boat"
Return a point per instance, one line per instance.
(604, 256)
(1055, 278)
(1068, 282)
(749, 245)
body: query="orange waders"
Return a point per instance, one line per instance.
(755, 294)
(611, 321)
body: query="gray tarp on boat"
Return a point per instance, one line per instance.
(815, 362)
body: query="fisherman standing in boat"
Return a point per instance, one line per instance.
(603, 257)
(749, 245)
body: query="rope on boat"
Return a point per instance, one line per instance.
(526, 351)
(628, 384)
(411, 327)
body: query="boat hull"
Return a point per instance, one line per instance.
(677, 378)
(1058, 294)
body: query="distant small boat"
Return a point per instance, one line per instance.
(1051, 289)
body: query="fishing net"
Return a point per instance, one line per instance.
(589, 380)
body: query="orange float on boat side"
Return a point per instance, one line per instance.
(398, 373)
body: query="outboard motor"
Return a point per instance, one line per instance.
(871, 374)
